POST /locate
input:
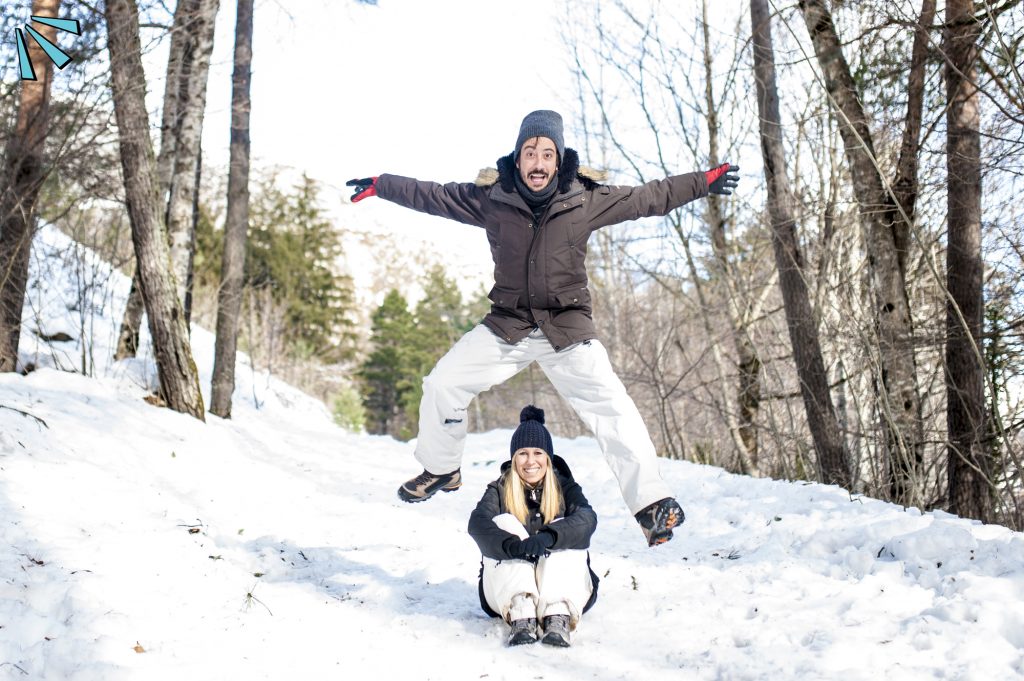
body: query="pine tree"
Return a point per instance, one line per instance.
(442, 317)
(293, 250)
(392, 370)
(442, 314)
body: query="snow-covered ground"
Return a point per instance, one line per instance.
(138, 543)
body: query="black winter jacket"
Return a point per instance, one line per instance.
(572, 529)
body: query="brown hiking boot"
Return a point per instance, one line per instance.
(556, 631)
(523, 632)
(425, 485)
(658, 519)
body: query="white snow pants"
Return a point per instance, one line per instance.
(559, 583)
(582, 374)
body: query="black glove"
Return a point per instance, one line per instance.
(721, 180)
(514, 548)
(364, 188)
(538, 545)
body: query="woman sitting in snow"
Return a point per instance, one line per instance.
(533, 526)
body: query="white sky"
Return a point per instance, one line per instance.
(434, 90)
(430, 89)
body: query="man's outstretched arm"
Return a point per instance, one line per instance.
(659, 197)
(463, 202)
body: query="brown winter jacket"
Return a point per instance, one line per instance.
(540, 274)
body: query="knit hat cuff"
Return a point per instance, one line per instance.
(541, 124)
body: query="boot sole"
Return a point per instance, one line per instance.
(413, 499)
(663, 537)
(522, 641)
(554, 640)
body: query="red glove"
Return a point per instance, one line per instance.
(721, 180)
(364, 188)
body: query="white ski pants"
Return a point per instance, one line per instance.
(558, 584)
(583, 376)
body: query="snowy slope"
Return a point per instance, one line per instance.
(138, 543)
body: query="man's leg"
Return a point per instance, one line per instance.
(583, 375)
(478, 361)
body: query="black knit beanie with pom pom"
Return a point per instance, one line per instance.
(531, 431)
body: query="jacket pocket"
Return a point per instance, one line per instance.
(575, 298)
(504, 298)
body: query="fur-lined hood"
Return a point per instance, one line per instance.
(568, 171)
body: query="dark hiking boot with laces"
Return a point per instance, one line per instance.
(556, 631)
(658, 519)
(524, 631)
(425, 485)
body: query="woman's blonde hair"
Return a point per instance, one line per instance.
(514, 493)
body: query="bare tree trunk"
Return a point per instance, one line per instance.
(131, 322)
(179, 380)
(833, 459)
(184, 103)
(748, 362)
(746, 466)
(899, 396)
(905, 186)
(22, 178)
(177, 74)
(229, 301)
(128, 336)
(970, 467)
(191, 105)
(193, 226)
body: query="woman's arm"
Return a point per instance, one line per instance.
(488, 536)
(577, 526)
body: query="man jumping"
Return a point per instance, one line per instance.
(538, 210)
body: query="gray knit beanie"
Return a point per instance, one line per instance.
(541, 124)
(531, 431)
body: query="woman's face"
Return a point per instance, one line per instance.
(531, 464)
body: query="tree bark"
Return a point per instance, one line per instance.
(177, 73)
(131, 321)
(899, 395)
(23, 175)
(177, 164)
(191, 101)
(193, 226)
(179, 380)
(905, 186)
(748, 361)
(833, 458)
(969, 464)
(236, 228)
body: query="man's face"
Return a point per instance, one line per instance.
(538, 162)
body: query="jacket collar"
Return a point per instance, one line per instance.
(570, 172)
(567, 171)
